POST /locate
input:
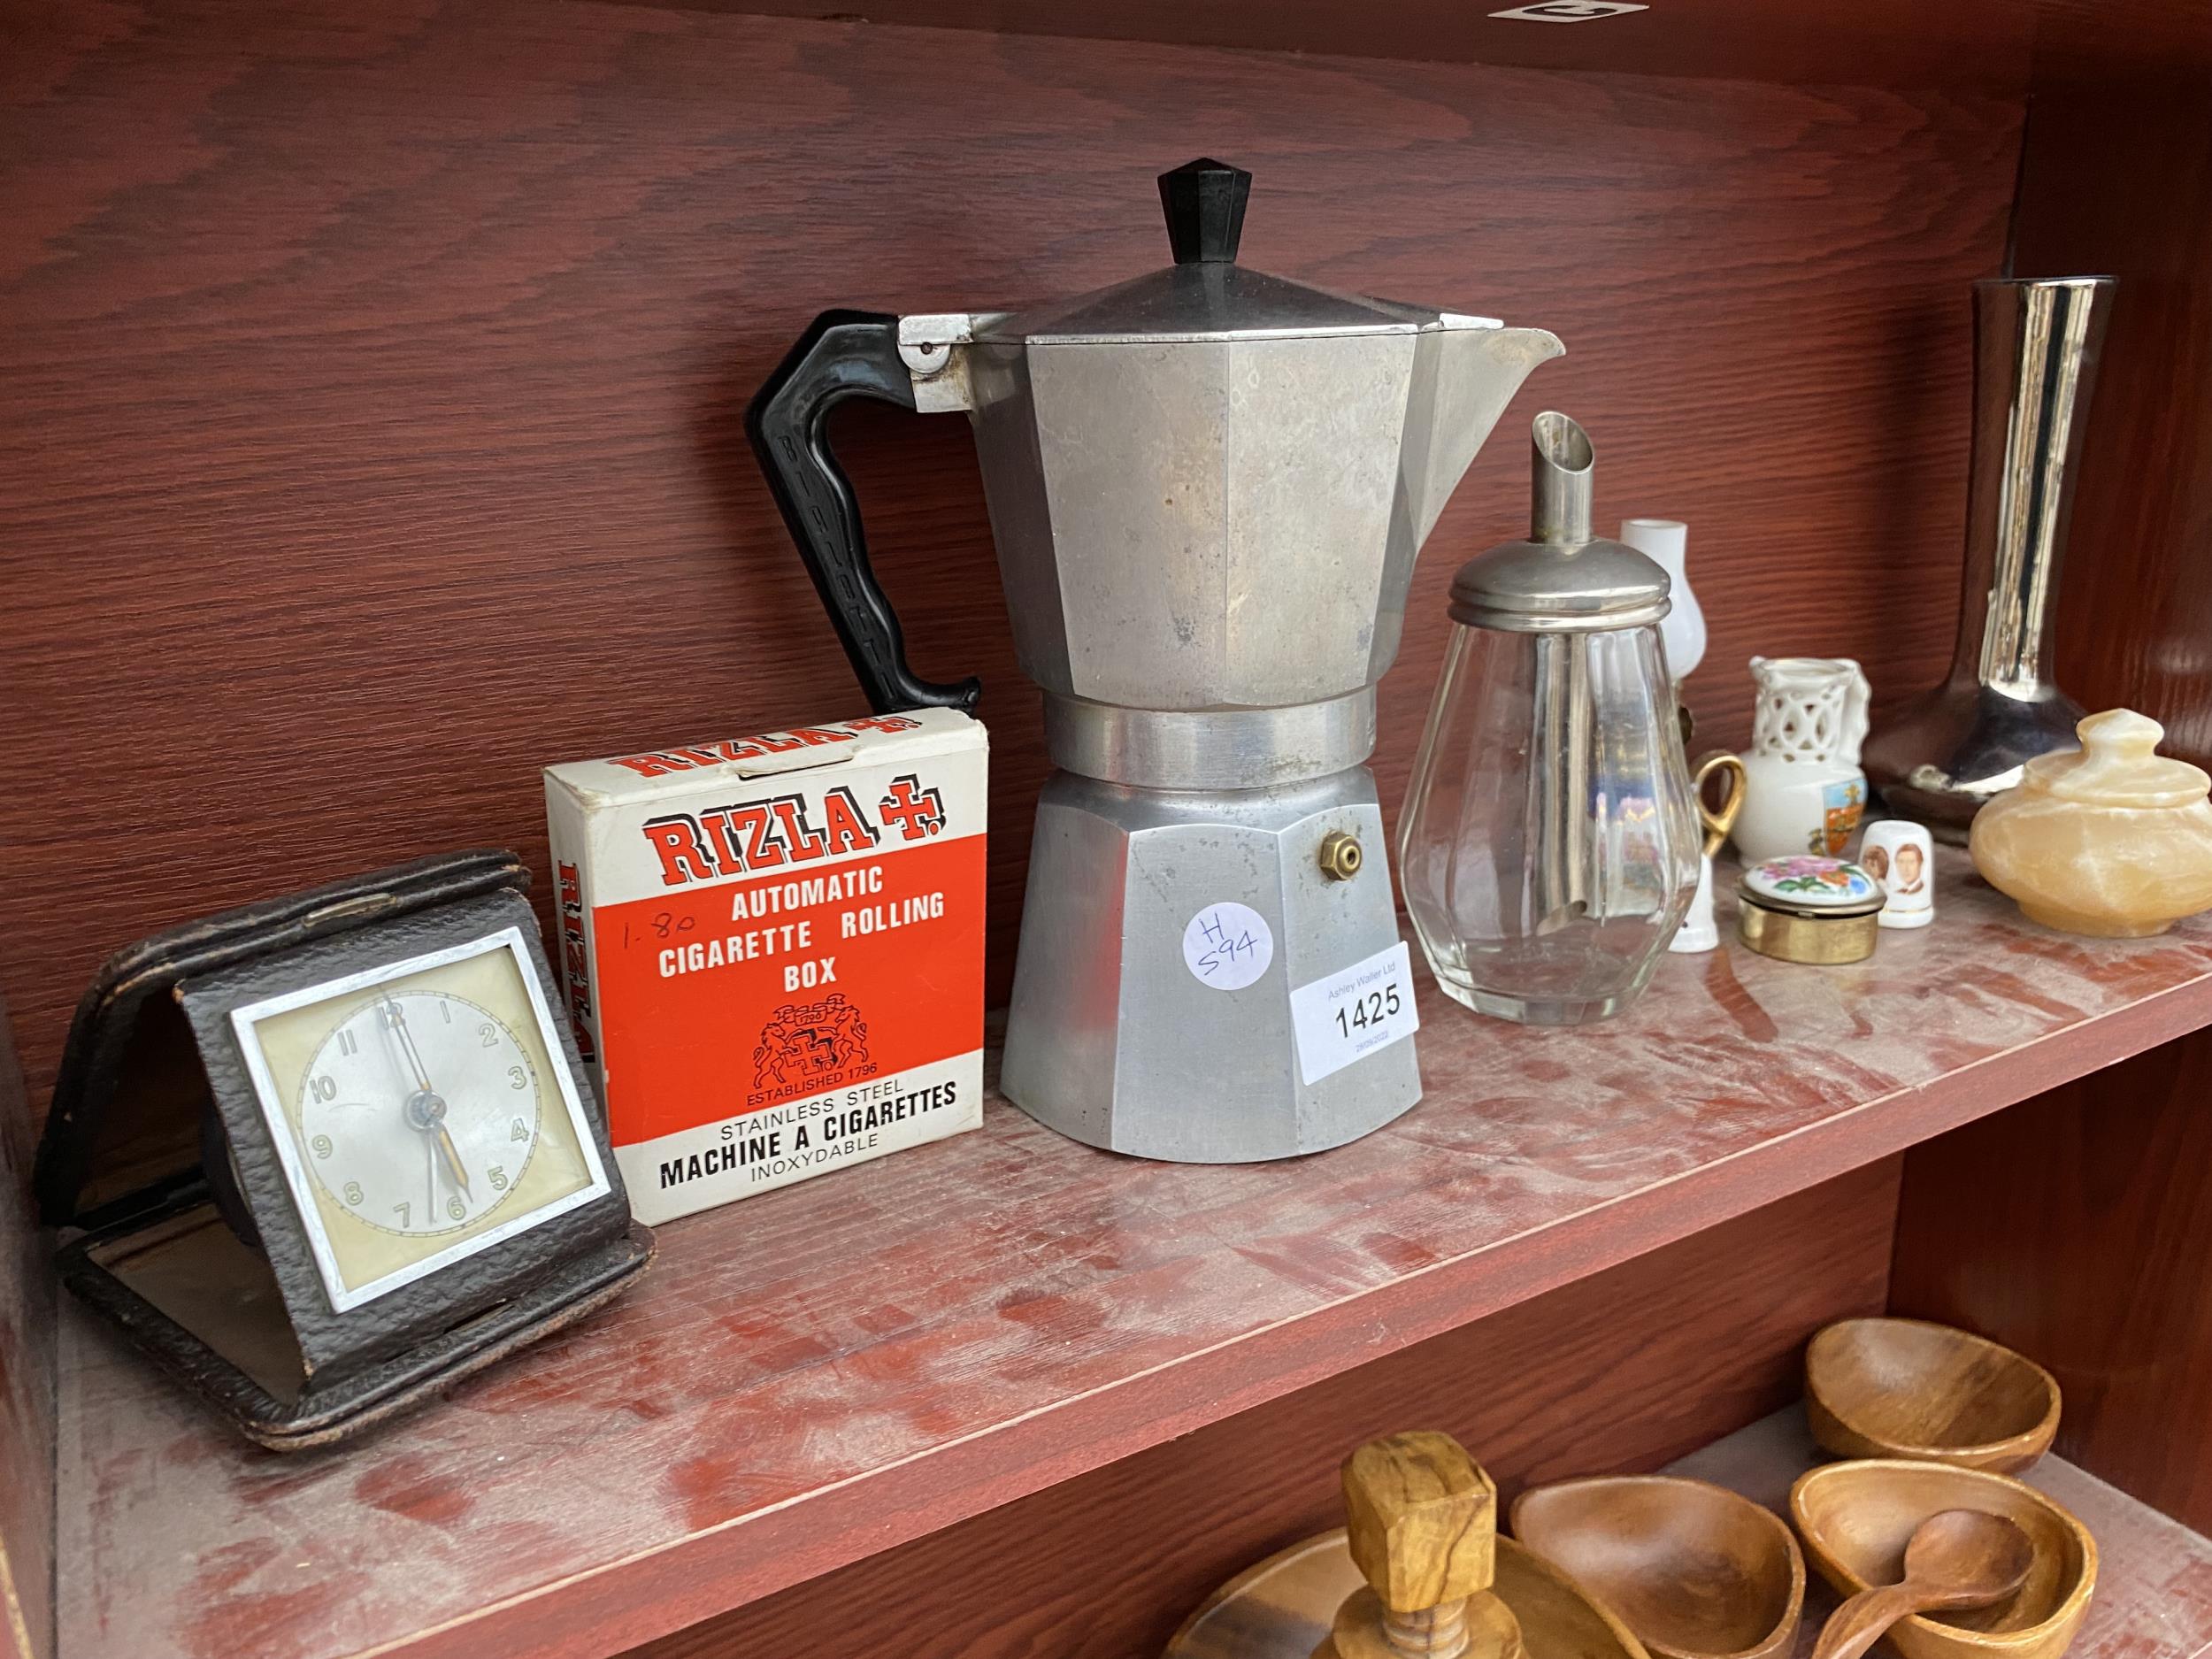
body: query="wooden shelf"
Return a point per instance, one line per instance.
(1989, 47)
(1982, 45)
(822, 1373)
(2153, 1596)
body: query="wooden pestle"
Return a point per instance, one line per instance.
(1422, 1522)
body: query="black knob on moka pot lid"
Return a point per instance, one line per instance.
(1562, 579)
(1204, 204)
(1205, 296)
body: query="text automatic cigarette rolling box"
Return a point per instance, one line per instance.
(774, 948)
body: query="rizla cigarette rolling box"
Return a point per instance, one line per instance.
(774, 948)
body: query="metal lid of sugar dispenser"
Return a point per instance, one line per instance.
(1206, 295)
(1562, 579)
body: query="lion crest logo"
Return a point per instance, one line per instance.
(810, 1040)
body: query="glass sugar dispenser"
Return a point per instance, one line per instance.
(1550, 843)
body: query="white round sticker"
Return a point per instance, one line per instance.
(1228, 945)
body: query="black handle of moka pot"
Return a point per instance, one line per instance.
(842, 354)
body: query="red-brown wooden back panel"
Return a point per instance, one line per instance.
(2118, 165)
(374, 377)
(2076, 1227)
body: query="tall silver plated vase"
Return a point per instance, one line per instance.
(2036, 343)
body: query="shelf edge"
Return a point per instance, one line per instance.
(749, 1557)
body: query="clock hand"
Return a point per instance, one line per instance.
(425, 1110)
(426, 1113)
(407, 1051)
(452, 1154)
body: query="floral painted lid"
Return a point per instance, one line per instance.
(1812, 886)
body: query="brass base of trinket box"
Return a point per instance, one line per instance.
(1822, 940)
(1809, 909)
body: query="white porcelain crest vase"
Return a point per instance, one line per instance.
(1804, 791)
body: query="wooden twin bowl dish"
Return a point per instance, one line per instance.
(1855, 1518)
(1695, 1571)
(1905, 1388)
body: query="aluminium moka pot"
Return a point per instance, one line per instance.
(1207, 487)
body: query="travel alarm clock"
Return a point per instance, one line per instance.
(401, 1172)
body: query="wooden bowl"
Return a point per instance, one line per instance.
(1905, 1388)
(1695, 1569)
(1855, 1518)
(1282, 1607)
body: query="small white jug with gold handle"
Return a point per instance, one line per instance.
(1803, 789)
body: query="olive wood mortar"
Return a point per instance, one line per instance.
(1418, 1573)
(1857, 1518)
(1906, 1388)
(1421, 1524)
(1282, 1607)
(1697, 1571)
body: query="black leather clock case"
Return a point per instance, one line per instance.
(251, 1330)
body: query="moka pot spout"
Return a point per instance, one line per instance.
(1466, 370)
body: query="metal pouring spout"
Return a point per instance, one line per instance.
(1465, 374)
(1560, 480)
(1562, 463)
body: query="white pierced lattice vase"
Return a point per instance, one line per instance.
(1804, 791)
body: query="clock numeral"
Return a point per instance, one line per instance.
(321, 1146)
(353, 1193)
(489, 1033)
(323, 1087)
(446, 1010)
(498, 1177)
(346, 1044)
(402, 1209)
(521, 1131)
(521, 1078)
(455, 1208)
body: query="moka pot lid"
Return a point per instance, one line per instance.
(1205, 294)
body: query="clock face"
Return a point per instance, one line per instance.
(422, 1111)
(465, 1091)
